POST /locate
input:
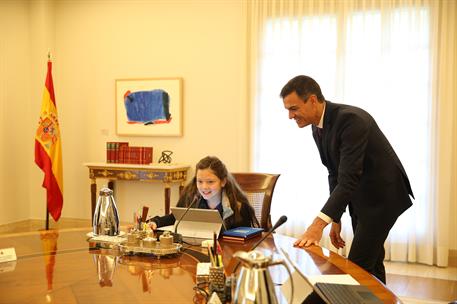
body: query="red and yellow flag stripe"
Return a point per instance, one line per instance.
(48, 150)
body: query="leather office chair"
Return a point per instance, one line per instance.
(259, 188)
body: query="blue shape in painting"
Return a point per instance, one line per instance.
(147, 107)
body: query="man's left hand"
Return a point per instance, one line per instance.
(313, 234)
(335, 235)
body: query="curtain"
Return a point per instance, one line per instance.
(395, 59)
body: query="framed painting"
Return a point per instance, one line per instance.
(149, 107)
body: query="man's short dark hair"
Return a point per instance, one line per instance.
(304, 86)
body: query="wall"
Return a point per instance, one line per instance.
(200, 41)
(452, 167)
(15, 87)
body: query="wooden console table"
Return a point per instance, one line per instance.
(165, 173)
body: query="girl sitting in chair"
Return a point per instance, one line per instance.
(213, 187)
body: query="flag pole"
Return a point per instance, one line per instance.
(47, 210)
(48, 150)
(47, 217)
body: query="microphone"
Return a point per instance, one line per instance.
(176, 234)
(278, 223)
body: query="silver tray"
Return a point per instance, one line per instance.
(106, 241)
(157, 251)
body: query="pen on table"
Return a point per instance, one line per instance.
(219, 249)
(215, 248)
(219, 258)
(211, 258)
(218, 253)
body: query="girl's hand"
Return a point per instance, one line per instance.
(153, 225)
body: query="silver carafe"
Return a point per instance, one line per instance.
(106, 217)
(254, 284)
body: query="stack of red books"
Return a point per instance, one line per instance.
(121, 153)
(112, 151)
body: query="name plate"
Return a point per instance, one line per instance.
(7, 255)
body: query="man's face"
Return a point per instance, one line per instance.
(305, 112)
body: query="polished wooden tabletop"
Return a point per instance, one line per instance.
(62, 267)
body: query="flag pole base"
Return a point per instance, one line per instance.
(47, 219)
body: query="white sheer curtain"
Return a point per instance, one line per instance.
(384, 56)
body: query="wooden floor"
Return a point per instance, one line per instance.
(426, 289)
(413, 283)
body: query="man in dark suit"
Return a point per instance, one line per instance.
(364, 173)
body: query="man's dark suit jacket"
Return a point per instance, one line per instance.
(364, 171)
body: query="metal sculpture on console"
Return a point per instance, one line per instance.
(166, 157)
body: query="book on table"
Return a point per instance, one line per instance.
(122, 153)
(241, 234)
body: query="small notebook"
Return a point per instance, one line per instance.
(241, 233)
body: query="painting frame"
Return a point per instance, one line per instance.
(170, 90)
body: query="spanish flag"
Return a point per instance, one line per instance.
(48, 151)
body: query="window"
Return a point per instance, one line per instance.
(379, 60)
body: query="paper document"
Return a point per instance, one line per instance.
(301, 288)
(7, 255)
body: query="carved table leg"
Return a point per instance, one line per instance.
(181, 187)
(93, 193)
(167, 192)
(111, 186)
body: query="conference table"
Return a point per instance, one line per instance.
(61, 266)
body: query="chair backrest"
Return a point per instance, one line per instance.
(259, 190)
